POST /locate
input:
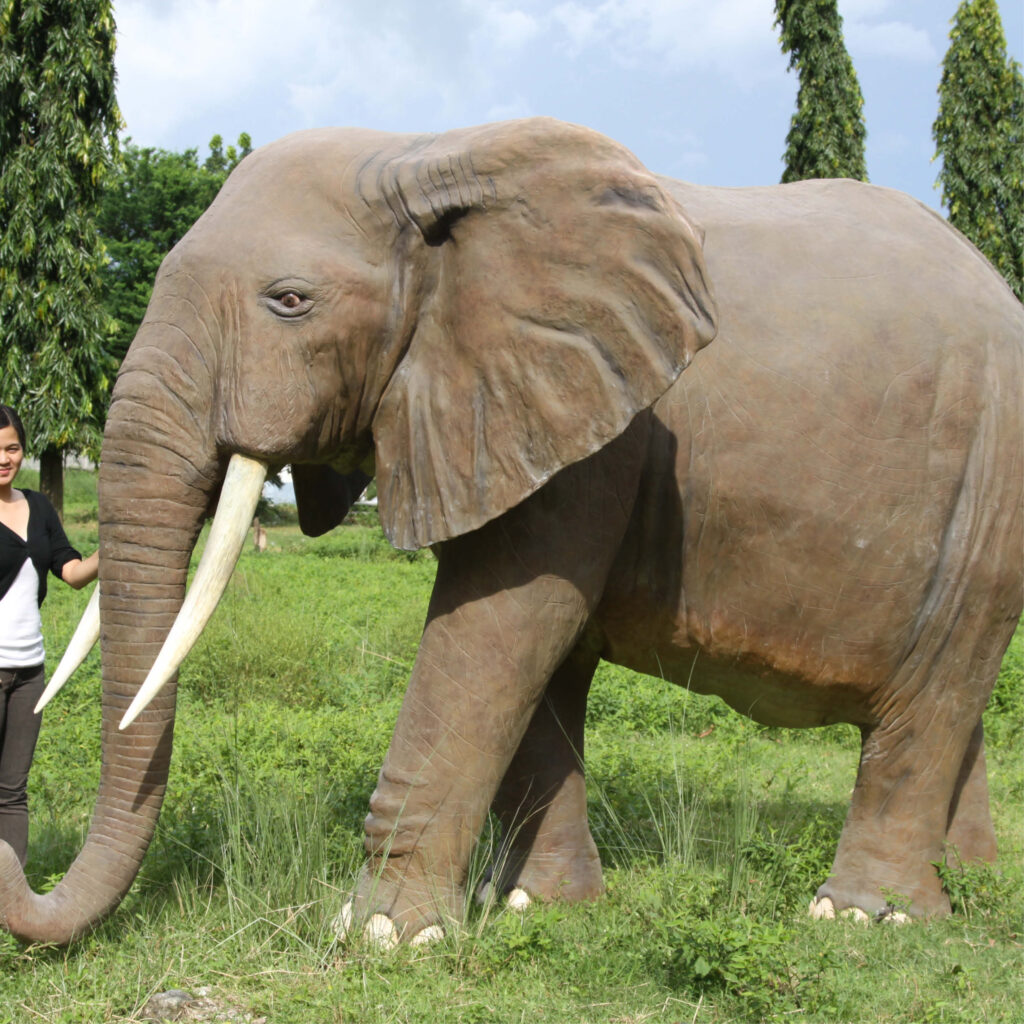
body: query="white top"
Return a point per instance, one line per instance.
(21, 628)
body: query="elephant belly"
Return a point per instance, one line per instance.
(768, 695)
(758, 612)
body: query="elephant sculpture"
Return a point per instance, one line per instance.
(820, 520)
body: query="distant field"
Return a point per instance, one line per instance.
(714, 832)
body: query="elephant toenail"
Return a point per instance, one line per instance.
(519, 899)
(380, 932)
(342, 923)
(432, 933)
(822, 909)
(855, 914)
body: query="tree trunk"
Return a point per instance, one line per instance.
(51, 478)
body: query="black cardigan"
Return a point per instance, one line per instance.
(47, 545)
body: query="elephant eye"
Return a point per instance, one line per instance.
(288, 303)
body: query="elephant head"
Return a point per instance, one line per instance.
(461, 315)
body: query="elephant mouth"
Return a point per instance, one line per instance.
(243, 484)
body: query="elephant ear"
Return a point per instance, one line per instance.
(565, 292)
(323, 496)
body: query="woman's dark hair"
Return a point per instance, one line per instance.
(9, 418)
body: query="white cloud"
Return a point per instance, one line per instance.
(324, 61)
(176, 59)
(863, 8)
(732, 36)
(355, 67)
(189, 68)
(870, 33)
(505, 28)
(579, 23)
(894, 39)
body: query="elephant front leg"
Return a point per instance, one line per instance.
(547, 850)
(483, 664)
(509, 604)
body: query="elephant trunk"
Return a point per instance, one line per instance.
(159, 471)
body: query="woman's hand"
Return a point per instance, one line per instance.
(80, 571)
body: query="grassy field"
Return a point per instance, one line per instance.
(714, 833)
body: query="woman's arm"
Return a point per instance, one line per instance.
(80, 571)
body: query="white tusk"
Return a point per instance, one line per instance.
(85, 636)
(243, 484)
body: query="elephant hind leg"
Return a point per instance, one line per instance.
(547, 850)
(969, 832)
(921, 782)
(896, 825)
(922, 772)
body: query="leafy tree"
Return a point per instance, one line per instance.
(146, 209)
(223, 162)
(979, 134)
(58, 143)
(827, 132)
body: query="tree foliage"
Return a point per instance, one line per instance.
(979, 134)
(58, 144)
(827, 133)
(145, 210)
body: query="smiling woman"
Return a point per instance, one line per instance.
(32, 541)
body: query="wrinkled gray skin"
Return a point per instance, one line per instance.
(819, 519)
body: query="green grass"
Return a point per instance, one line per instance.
(714, 832)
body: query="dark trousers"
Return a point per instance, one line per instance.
(20, 688)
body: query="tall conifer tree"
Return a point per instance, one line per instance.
(979, 134)
(58, 142)
(827, 132)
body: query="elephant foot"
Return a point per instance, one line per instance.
(396, 902)
(380, 931)
(569, 873)
(882, 891)
(823, 909)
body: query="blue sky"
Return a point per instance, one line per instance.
(697, 90)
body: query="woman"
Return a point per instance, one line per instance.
(32, 541)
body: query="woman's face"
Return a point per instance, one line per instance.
(11, 455)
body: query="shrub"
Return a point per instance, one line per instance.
(787, 868)
(976, 889)
(753, 963)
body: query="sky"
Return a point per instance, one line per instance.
(698, 90)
